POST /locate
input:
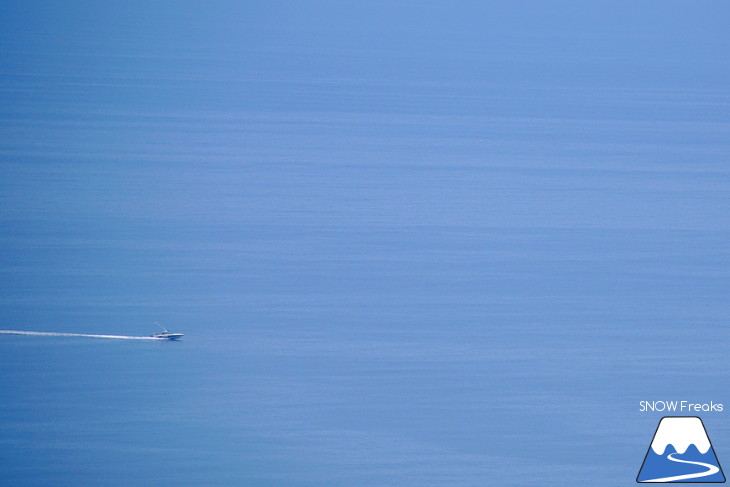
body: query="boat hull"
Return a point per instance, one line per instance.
(168, 336)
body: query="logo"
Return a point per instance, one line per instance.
(680, 452)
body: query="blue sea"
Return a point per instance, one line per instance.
(408, 243)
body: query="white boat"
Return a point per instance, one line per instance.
(166, 335)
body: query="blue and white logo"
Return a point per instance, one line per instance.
(680, 452)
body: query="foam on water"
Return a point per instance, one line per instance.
(59, 334)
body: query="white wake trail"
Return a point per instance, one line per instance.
(58, 334)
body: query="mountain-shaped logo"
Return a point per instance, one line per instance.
(680, 452)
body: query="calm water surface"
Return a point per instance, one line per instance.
(407, 246)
